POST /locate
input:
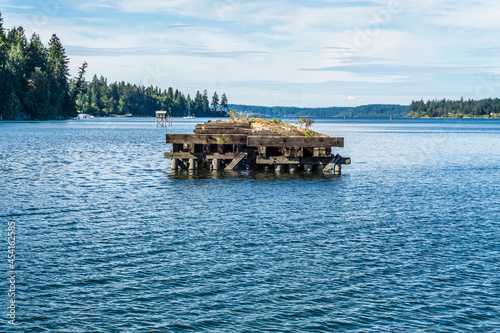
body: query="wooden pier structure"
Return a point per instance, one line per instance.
(229, 145)
(163, 119)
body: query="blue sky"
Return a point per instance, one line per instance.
(289, 53)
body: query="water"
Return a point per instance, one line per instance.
(108, 240)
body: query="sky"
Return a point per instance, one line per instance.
(315, 53)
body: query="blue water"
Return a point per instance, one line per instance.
(109, 240)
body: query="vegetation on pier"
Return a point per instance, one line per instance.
(444, 108)
(276, 125)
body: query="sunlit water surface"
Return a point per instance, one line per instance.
(109, 240)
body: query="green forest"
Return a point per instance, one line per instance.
(35, 84)
(99, 98)
(486, 108)
(365, 111)
(34, 80)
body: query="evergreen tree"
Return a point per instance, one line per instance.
(223, 102)
(206, 105)
(15, 83)
(36, 54)
(58, 76)
(215, 101)
(4, 87)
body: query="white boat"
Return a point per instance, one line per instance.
(84, 116)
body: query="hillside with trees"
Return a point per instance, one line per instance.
(486, 108)
(99, 98)
(34, 79)
(365, 111)
(35, 84)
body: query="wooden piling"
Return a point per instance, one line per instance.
(338, 169)
(192, 164)
(215, 164)
(174, 164)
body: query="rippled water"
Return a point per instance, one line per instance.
(109, 240)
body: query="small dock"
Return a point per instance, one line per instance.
(163, 119)
(255, 145)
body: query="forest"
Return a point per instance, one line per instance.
(99, 98)
(34, 80)
(365, 111)
(35, 84)
(486, 108)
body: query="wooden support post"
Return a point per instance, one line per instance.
(192, 164)
(215, 164)
(308, 168)
(292, 168)
(338, 169)
(174, 164)
(278, 168)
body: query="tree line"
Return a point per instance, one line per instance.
(97, 97)
(34, 79)
(35, 84)
(455, 109)
(365, 111)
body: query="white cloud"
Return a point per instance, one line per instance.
(18, 7)
(257, 50)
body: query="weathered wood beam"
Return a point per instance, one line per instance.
(294, 141)
(234, 163)
(183, 155)
(226, 156)
(222, 131)
(345, 160)
(225, 125)
(215, 156)
(332, 164)
(207, 138)
(277, 160)
(182, 165)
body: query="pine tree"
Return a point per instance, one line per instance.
(215, 101)
(58, 74)
(4, 89)
(206, 105)
(223, 102)
(36, 54)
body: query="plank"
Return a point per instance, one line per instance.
(183, 155)
(222, 131)
(182, 165)
(226, 156)
(207, 138)
(225, 125)
(277, 160)
(294, 141)
(235, 162)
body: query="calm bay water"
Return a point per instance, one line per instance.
(109, 240)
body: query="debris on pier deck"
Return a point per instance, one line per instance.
(256, 144)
